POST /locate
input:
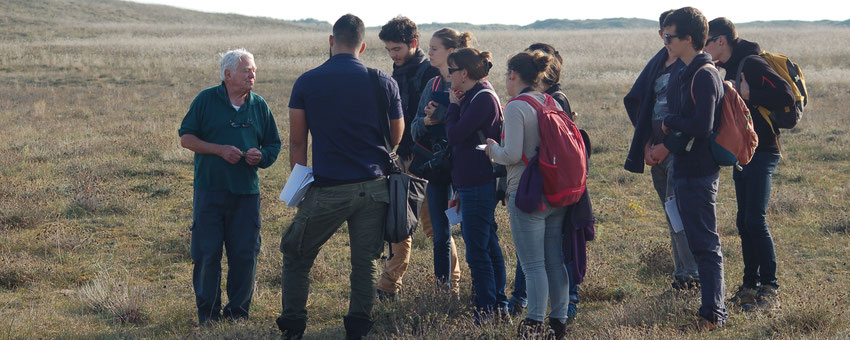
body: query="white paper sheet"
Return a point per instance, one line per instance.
(672, 209)
(454, 216)
(296, 185)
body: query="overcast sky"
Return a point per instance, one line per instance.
(376, 13)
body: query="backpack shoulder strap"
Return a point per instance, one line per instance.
(741, 70)
(499, 105)
(695, 77)
(435, 85)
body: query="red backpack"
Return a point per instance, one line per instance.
(561, 156)
(734, 142)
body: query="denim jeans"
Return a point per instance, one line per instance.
(685, 267)
(752, 188)
(223, 218)
(546, 276)
(364, 207)
(483, 253)
(520, 297)
(438, 202)
(696, 198)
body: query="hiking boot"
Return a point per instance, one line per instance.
(530, 329)
(572, 313)
(745, 298)
(559, 329)
(385, 296)
(768, 296)
(356, 328)
(701, 324)
(291, 329)
(685, 284)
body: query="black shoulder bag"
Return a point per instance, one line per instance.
(407, 193)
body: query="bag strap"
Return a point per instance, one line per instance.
(499, 105)
(383, 119)
(537, 107)
(436, 84)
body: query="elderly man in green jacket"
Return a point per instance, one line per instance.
(233, 133)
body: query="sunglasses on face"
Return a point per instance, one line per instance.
(453, 70)
(669, 37)
(247, 124)
(713, 38)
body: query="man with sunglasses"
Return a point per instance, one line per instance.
(646, 104)
(694, 93)
(760, 86)
(233, 133)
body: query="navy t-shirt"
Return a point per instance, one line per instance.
(341, 113)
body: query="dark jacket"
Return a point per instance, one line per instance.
(694, 118)
(559, 96)
(639, 103)
(412, 78)
(767, 88)
(578, 225)
(471, 167)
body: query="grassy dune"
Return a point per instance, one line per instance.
(96, 197)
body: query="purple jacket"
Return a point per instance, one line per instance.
(579, 225)
(471, 167)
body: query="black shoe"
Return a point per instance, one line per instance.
(384, 296)
(356, 328)
(530, 329)
(559, 329)
(291, 329)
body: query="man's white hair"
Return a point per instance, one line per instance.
(230, 59)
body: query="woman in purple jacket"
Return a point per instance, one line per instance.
(473, 116)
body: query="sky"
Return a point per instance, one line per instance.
(376, 13)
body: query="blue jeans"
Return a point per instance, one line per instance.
(519, 296)
(696, 198)
(222, 218)
(483, 253)
(546, 274)
(752, 188)
(685, 267)
(438, 202)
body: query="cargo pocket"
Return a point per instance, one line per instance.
(290, 242)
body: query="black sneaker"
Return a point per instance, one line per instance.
(385, 296)
(530, 329)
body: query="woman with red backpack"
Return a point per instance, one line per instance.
(546, 275)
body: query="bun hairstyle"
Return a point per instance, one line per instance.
(531, 67)
(552, 76)
(453, 39)
(476, 63)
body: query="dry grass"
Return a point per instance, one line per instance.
(95, 192)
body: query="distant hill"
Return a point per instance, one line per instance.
(563, 24)
(43, 19)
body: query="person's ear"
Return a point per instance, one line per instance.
(362, 48)
(414, 43)
(331, 40)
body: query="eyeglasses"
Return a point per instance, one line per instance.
(669, 37)
(713, 38)
(453, 70)
(247, 124)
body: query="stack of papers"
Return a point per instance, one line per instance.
(296, 186)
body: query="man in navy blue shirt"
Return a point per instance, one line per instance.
(335, 103)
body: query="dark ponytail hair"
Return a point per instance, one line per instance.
(531, 67)
(552, 76)
(476, 63)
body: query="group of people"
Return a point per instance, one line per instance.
(443, 100)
